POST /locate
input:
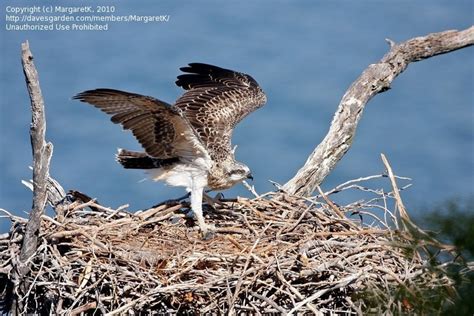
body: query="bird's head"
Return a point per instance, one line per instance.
(237, 172)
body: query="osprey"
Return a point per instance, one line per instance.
(187, 144)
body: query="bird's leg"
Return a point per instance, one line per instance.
(196, 206)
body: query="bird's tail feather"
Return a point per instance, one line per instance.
(140, 160)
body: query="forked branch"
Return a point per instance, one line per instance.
(375, 79)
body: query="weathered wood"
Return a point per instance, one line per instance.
(42, 153)
(375, 79)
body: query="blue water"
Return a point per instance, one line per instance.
(304, 54)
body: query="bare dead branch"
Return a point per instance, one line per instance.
(375, 79)
(42, 152)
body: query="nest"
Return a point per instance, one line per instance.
(273, 254)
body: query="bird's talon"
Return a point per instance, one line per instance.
(208, 232)
(208, 235)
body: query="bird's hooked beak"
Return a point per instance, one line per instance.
(249, 176)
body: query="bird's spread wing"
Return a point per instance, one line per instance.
(215, 101)
(159, 127)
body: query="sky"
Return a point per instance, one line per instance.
(304, 54)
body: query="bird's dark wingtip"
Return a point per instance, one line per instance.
(195, 74)
(79, 96)
(95, 92)
(202, 68)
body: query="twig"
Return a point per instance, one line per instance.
(330, 203)
(126, 306)
(396, 192)
(244, 270)
(343, 283)
(83, 308)
(270, 302)
(294, 290)
(251, 189)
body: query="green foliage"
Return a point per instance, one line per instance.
(405, 300)
(454, 223)
(451, 223)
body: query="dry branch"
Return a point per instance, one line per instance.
(42, 152)
(375, 79)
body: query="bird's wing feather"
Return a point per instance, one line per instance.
(215, 101)
(159, 127)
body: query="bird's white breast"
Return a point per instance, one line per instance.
(189, 175)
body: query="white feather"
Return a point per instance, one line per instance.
(186, 175)
(192, 176)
